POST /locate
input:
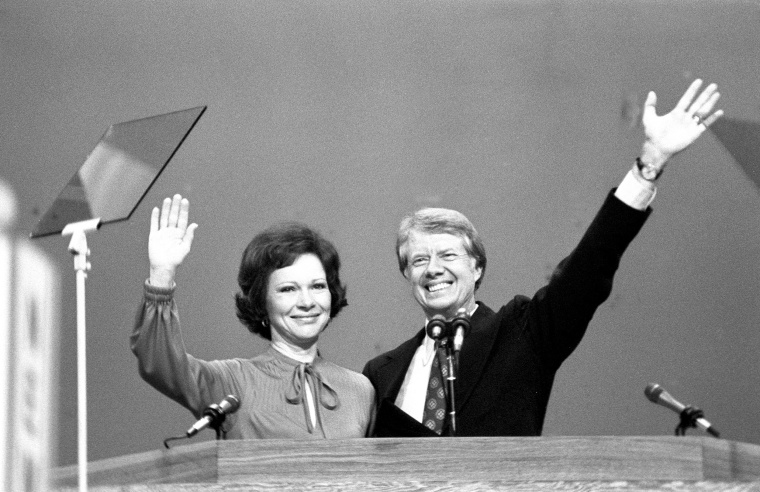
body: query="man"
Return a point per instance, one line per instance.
(510, 357)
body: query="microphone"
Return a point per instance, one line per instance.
(460, 324)
(657, 394)
(436, 327)
(214, 414)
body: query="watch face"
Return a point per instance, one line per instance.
(649, 173)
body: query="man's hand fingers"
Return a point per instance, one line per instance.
(688, 96)
(712, 118)
(700, 106)
(650, 107)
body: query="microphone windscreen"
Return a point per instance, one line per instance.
(461, 320)
(436, 327)
(653, 392)
(230, 404)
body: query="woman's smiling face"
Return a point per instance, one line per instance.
(298, 302)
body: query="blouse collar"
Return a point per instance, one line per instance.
(306, 377)
(287, 351)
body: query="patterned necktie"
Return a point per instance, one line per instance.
(435, 401)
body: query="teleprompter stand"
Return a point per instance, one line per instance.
(107, 188)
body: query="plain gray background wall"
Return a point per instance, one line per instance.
(347, 115)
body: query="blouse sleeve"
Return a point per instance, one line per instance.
(163, 361)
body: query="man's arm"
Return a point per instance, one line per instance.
(584, 279)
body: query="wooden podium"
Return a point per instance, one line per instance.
(469, 463)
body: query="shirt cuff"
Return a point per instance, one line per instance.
(158, 294)
(634, 193)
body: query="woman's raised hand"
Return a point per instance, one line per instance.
(170, 239)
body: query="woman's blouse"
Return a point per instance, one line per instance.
(271, 387)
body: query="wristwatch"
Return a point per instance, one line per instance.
(648, 171)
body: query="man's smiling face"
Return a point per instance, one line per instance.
(441, 272)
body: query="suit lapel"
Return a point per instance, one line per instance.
(392, 372)
(473, 357)
(475, 353)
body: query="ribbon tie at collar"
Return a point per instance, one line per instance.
(306, 373)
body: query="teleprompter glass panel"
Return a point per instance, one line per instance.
(119, 171)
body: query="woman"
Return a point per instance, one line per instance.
(289, 290)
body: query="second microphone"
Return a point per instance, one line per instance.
(457, 328)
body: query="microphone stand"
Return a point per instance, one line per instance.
(450, 379)
(457, 328)
(216, 424)
(689, 417)
(218, 430)
(78, 248)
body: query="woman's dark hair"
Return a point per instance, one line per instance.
(277, 247)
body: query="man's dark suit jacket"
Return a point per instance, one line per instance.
(510, 357)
